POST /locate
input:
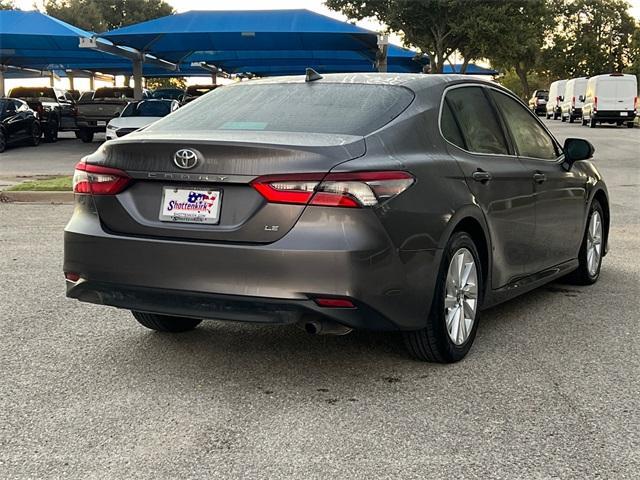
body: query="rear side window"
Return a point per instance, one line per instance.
(341, 108)
(449, 126)
(530, 138)
(477, 120)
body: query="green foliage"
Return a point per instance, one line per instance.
(102, 15)
(7, 5)
(536, 81)
(164, 82)
(56, 184)
(590, 37)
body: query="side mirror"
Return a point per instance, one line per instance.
(581, 98)
(576, 149)
(561, 98)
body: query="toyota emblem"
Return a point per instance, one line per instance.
(185, 158)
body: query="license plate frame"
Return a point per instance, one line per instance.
(194, 205)
(101, 123)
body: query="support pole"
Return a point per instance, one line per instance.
(137, 79)
(52, 79)
(383, 48)
(214, 78)
(2, 93)
(92, 83)
(70, 77)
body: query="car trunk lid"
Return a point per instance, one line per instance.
(227, 163)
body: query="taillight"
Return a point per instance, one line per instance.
(635, 103)
(98, 180)
(353, 189)
(573, 101)
(595, 103)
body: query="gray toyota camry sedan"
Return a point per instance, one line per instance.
(360, 201)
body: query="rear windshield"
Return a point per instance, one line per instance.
(125, 92)
(542, 94)
(169, 93)
(24, 92)
(348, 109)
(147, 109)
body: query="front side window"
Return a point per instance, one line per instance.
(531, 140)
(477, 120)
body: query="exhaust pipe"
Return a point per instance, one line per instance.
(324, 327)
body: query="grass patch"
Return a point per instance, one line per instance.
(57, 184)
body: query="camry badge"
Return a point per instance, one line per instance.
(185, 158)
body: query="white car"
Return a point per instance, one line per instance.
(611, 98)
(139, 114)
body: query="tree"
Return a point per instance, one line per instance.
(7, 5)
(429, 25)
(166, 82)
(102, 15)
(591, 37)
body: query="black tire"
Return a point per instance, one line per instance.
(51, 133)
(36, 133)
(563, 118)
(581, 275)
(166, 323)
(3, 142)
(584, 122)
(572, 119)
(77, 134)
(432, 343)
(630, 125)
(86, 135)
(592, 123)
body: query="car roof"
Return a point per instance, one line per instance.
(412, 81)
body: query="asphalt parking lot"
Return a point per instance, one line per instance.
(551, 388)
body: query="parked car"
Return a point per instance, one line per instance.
(86, 96)
(105, 104)
(138, 115)
(55, 108)
(18, 123)
(538, 102)
(368, 201)
(611, 98)
(571, 107)
(556, 96)
(194, 91)
(168, 93)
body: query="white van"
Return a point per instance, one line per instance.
(611, 98)
(571, 106)
(556, 95)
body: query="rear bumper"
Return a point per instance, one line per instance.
(614, 116)
(349, 257)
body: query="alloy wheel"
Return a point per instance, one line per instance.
(461, 296)
(594, 243)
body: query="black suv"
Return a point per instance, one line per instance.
(17, 123)
(538, 102)
(55, 108)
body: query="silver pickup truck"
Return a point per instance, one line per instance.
(95, 112)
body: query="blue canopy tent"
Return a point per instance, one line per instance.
(175, 37)
(30, 39)
(472, 69)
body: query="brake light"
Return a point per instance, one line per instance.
(352, 190)
(635, 103)
(98, 180)
(595, 103)
(573, 101)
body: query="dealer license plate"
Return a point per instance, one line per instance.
(624, 114)
(101, 123)
(190, 205)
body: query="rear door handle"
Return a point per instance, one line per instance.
(539, 177)
(481, 176)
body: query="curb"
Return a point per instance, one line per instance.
(55, 198)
